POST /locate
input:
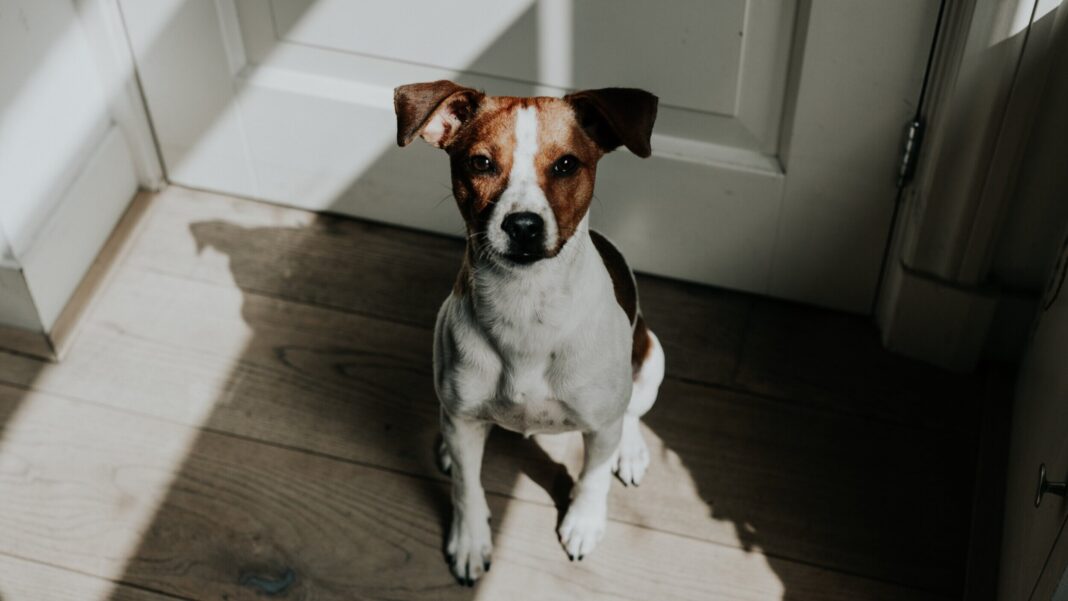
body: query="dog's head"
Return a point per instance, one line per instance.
(523, 168)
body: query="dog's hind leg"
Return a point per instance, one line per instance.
(632, 458)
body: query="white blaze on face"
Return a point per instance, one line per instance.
(523, 193)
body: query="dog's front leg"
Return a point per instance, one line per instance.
(583, 526)
(469, 546)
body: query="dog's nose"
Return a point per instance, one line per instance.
(523, 228)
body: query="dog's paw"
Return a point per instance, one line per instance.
(583, 527)
(469, 549)
(632, 458)
(444, 458)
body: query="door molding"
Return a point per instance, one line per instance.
(261, 111)
(49, 256)
(987, 78)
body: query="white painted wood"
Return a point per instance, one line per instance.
(67, 122)
(16, 305)
(1035, 211)
(67, 244)
(1039, 435)
(964, 182)
(1061, 592)
(106, 36)
(941, 324)
(967, 224)
(44, 136)
(308, 120)
(610, 41)
(844, 148)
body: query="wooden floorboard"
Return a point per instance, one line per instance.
(360, 389)
(835, 360)
(235, 516)
(28, 580)
(790, 351)
(272, 333)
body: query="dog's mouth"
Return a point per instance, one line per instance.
(524, 257)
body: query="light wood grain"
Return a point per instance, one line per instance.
(22, 580)
(260, 395)
(109, 258)
(728, 468)
(235, 508)
(27, 342)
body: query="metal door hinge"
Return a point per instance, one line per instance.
(911, 152)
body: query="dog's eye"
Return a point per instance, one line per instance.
(565, 165)
(481, 163)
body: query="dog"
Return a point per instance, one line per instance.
(542, 332)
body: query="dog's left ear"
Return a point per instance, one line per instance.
(617, 116)
(434, 110)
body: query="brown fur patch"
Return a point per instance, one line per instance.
(559, 135)
(622, 280)
(462, 285)
(639, 350)
(491, 132)
(626, 295)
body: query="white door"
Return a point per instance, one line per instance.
(774, 154)
(1034, 551)
(73, 149)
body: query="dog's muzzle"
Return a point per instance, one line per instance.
(526, 237)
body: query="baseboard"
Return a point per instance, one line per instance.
(65, 247)
(16, 304)
(63, 333)
(26, 342)
(935, 321)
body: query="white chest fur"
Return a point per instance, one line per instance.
(546, 351)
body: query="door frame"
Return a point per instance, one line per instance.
(45, 284)
(935, 301)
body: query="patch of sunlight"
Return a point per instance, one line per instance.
(661, 539)
(79, 486)
(87, 457)
(1026, 12)
(556, 33)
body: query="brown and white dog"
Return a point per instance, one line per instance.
(542, 332)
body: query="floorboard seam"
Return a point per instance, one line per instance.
(113, 581)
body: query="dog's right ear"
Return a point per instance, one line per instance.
(434, 110)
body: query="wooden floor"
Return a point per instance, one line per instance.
(247, 411)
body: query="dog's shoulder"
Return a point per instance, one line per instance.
(623, 282)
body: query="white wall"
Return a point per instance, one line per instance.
(54, 111)
(66, 170)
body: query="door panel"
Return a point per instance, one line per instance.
(291, 101)
(1053, 584)
(602, 42)
(1039, 436)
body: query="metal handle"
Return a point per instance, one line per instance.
(1045, 486)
